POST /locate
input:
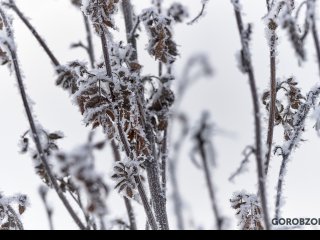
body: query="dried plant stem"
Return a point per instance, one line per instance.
(49, 211)
(17, 219)
(123, 139)
(158, 200)
(204, 158)
(302, 114)
(301, 117)
(35, 133)
(255, 99)
(127, 202)
(42, 43)
(151, 220)
(89, 48)
(316, 41)
(130, 212)
(164, 159)
(273, 99)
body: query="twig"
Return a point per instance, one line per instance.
(301, 117)
(43, 191)
(247, 153)
(202, 148)
(123, 139)
(159, 202)
(34, 129)
(258, 142)
(42, 43)
(89, 48)
(202, 12)
(14, 214)
(273, 92)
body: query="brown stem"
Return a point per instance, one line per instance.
(255, 100)
(151, 220)
(159, 202)
(123, 139)
(34, 131)
(90, 49)
(204, 157)
(273, 99)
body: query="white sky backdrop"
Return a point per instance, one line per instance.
(226, 96)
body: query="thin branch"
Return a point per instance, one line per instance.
(43, 191)
(128, 15)
(273, 92)
(151, 220)
(17, 219)
(201, 13)
(89, 48)
(202, 145)
(159, 201)
(163, 164)
(247, 153)
(300, 117)
(42, 43)
(34, 131)
(258, 141)
(123, 139)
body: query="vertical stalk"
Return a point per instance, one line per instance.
(89, 40)
(158, 200)
(34, 131)
(42, 43)
(256, 108)
(123, 139)
(273, 94)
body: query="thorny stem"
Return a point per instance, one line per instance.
(42, 43)
(159, 201)
(35, 132)
(131, 216)
(302, 116)
(90, 49)
(255, 99)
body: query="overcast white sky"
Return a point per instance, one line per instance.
(226, 96)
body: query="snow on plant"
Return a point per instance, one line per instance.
(248, 210)
(11, 210)
(134, 110)
(78, 168)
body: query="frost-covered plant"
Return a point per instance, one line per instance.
(78, 168)
(10, 219)
(249, 211)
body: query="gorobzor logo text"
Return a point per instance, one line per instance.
(295, 221)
